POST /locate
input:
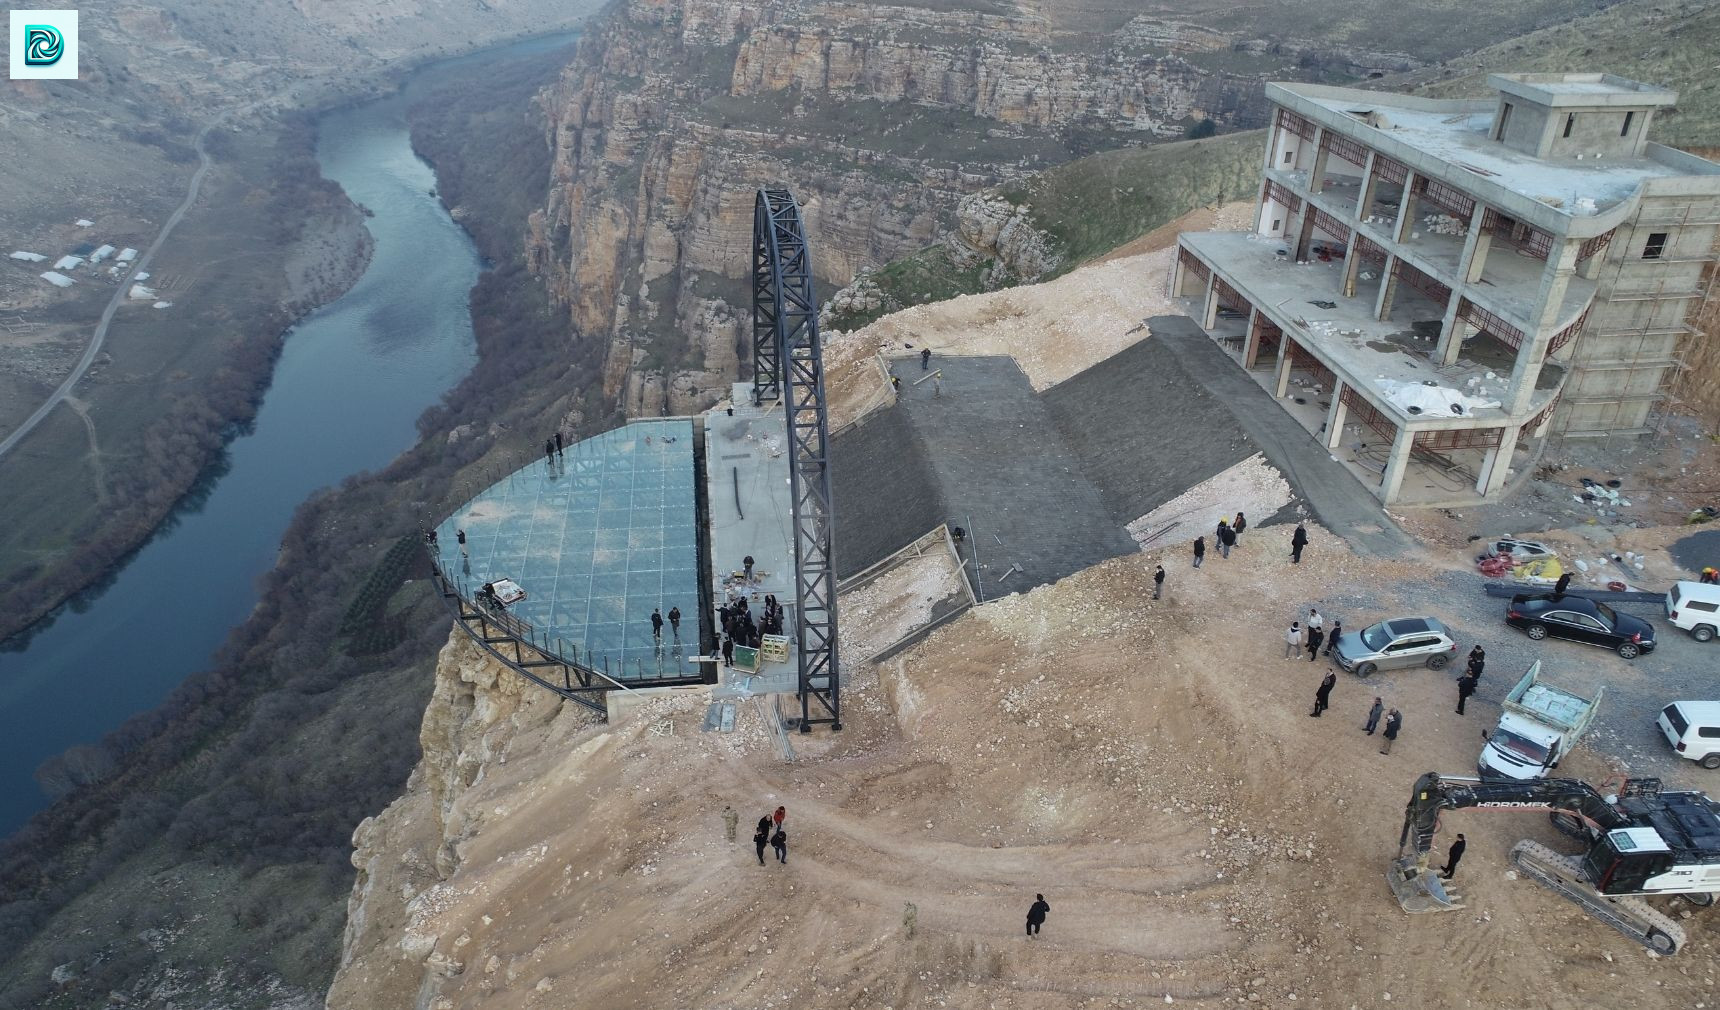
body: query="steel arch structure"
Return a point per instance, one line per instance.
(787, 358)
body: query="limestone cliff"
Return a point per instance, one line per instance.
(479, 713)
(881, 118)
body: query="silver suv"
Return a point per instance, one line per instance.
(1399, 642)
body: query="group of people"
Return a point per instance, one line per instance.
(769, 832)
(740, 629)
(657, 622)
(1477, 662)
(1313, 638)
(1229, 531)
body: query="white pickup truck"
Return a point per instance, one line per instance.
(1539, 725)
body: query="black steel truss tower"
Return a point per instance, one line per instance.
(787, 355)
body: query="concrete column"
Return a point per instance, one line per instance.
(1335, 417)
(1406, 211)
(1209, 310)
(1544, 319)
(1304, 234)
(1388, 288)
(1396, 464)
(1178, 275)
(1261, 221)
(1352, 265)
(1452, 332)
(1281, 384)
(1365, 198)
(1496, 463)
(1317, 174)
(1475, 247)
(1251, 342)
(1590, 269)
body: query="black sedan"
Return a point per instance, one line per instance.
(1580, 619)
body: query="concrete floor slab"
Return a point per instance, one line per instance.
(751, 514)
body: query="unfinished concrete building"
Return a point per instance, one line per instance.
(1448, 281)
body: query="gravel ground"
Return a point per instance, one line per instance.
(1679, 668)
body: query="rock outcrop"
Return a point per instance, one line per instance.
(881, 119)
(479, 712)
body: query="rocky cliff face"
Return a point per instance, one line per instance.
(479, 714)
(881, 119)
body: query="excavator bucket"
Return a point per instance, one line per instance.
(1419, 889)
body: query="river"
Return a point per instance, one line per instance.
(351, 382)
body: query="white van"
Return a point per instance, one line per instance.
(1693, 729)
(1695, 607)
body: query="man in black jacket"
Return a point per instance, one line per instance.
(1298, 540)
(1036, 914)
(1452, 855)
(1465, 688)
(1323, 696)
(1158, 582)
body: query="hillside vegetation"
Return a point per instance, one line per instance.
(1075, 213)
(1670, 44)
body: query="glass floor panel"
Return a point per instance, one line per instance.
(597, 541)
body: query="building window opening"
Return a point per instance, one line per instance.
(1288, 155)
(1655, 247)
(1570, 121)
(1624, 131)
(1277, 223)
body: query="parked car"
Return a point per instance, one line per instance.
(1521, 551)
(1694, 607)
(1693, 730)
(1580, 619)
(1399, 642)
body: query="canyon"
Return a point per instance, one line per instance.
(882, 119)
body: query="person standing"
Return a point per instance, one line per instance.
(1452, 856)
(1298, 540)
(1323, 696)
(764, 826)
(1477, 660)
(1465, 688)
(777, 817)
(1315, 637)
(731, 821)
(1560, 586)
(779, 842)
(1394, 722)
(747, 563)
(925, 358)
(728, 650)
(460, 535)
(675, 622)
(1293, 640)
(549, 451)
(558, 454)
(656, 623)
(1332, 636)
(1238, 524)
(1226, 539)
(1374, 716)
(1036, 914)
(1199, 550)
(1158, 582)
(761, 838)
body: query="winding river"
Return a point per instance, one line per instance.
(350, 384)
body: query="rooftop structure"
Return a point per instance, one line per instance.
(1531, 260)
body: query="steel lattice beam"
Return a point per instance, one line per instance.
(787, 357)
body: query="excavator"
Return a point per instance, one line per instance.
(1642, 840)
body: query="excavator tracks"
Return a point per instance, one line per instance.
(1631, 916)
